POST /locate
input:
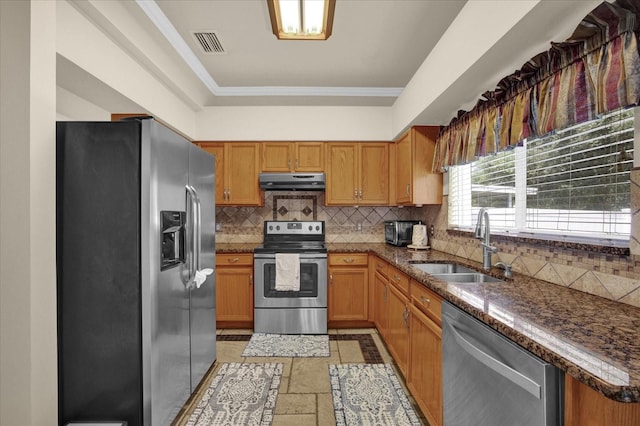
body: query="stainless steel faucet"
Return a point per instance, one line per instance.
(487, 249)
(508, 273)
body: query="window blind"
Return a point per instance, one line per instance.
(580, 177)
(573, 181)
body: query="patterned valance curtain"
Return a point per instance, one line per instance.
(597, 70)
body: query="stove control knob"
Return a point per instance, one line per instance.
(270, 227)
(317, 227)
(310, 228)
(277, 227)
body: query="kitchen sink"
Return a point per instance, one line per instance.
(442, 268)
(467, 277)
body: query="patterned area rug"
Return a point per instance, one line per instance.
(240, 394)
(286, 345)
(369, 394)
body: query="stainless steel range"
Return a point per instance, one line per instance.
(303, 309)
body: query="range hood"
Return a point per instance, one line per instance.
(292, 181)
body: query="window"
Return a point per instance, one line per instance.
(574, 182)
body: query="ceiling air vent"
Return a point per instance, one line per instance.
(209, 42)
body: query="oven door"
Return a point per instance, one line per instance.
(313, 283)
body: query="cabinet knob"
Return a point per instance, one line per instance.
(233, 259)
(251, 280)
(331, 279)
(348, 260)
(424, 300)
(407, 189)
(289, 164)
(296, 164)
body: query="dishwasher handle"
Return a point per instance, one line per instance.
(499, 367)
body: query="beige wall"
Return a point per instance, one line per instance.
(28, 369)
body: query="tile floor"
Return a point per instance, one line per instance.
(304, 397)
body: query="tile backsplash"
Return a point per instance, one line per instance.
(342, 224)
(612, 276)
(605, 274)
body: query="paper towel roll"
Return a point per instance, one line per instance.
(419, 237)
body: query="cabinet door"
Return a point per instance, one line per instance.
(403, 169)
(424, 377)
(243, 166)
(218, 151)
(398, 331)
(342, 174)
(276, 157)
(374, 173)
(309, 157)
(348, 293)
(234, 293)
(380, 296)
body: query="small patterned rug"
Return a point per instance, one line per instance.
(369, 394)
(240, 394)
(287, 345)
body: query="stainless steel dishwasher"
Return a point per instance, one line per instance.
(490, 381)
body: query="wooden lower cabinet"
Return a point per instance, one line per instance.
(398, 331)
(380, 295)
(234, 290)
(584, 406)
(348, 289)
(417, 350)
(424, 378)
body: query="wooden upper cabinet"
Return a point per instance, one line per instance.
(292, 157)
(357, 173)
(415, 183)
(342, 173)
(309, 157)
(374, 173)
(237, 168)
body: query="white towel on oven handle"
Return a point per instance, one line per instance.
(287, 272)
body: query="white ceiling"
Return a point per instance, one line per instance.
(375, 45)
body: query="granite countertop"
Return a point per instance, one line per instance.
(595, 340)
(222, 248)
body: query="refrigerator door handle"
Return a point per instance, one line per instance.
(197, 230)
(191, 234)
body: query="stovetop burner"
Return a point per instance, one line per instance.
(293, 237)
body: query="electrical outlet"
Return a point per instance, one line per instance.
(359, 226)
(218, 227)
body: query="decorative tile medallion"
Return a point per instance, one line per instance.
(295, 207)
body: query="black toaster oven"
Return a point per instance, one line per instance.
(399, 232)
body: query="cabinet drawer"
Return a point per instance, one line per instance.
(381, 266)
(399, 279)
(427, 301)
(348, 259)
(234, 259)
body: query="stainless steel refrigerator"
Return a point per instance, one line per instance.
(135, 222)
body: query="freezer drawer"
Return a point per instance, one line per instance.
(489, 380)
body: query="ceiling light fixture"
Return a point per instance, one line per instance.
(302, 19)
